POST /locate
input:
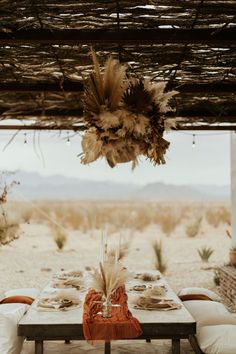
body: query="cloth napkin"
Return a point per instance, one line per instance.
(122, 324)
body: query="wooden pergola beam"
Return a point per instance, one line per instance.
(67, 86)
(40, 127)
(122, 36)
(82, 128)
(57, 112)
(72, 86)
(207, 127)
(209, 119)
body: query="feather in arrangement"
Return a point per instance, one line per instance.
(109, 277)
(124, 117)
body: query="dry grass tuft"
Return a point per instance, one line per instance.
(158, 251)
(8, 231)
(116, 216)
(123, 251)
(59, 236)
(192, 229)
(218, 215)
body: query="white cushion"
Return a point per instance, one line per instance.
(220, 339)
(209, 313)
(202, 310)
(10, 315)
(31, 292)
(211, 294)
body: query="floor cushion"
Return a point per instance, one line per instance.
(209, 312)
(202, 309)
(17, 299)
(31, 292)
(219, 339)
(189, 297)
(10, 315)
(195, 290)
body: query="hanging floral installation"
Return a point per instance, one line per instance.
(124, 117)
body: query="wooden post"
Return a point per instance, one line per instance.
(175, 346)
(38, 347)
(107, 348)
(233, 186)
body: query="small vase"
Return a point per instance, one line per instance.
(107, 309)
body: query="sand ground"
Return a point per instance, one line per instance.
(31, 261)
(119, 347)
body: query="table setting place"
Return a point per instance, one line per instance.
(65, 292)
(148, 291)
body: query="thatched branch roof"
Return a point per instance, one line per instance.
(44, 55)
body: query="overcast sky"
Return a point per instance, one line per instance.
(207, 163)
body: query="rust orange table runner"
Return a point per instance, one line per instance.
(122, 324)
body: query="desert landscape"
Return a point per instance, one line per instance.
(185, 240)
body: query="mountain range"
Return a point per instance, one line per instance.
(34, 186)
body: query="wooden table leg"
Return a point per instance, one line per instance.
(38, 347)
(107, 348)
(175, 346)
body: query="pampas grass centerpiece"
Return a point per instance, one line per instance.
(124, 117)
(106, 280)
(109, 277)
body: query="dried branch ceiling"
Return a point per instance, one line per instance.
(44, 56)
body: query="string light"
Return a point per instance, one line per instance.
(193, 142)
(25, 139)
(68, 139)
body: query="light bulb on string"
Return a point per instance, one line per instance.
(68, 139)
(193, 142)
(25, 139)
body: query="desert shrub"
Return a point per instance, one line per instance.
(59, 236)
(160, 264)
(27, 214)
(123, 251)
(8, 229)
(205, 253)
(217, 215)
(193, 229)
(168, 219)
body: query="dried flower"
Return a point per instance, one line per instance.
(124, 117)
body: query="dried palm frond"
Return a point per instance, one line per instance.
(171, 123)
(91, 146)
(97, 79)
(103, 92)
(109, 277)
(136, 98)
(124, 117)
(113, 83)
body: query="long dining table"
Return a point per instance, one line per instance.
(40, 326)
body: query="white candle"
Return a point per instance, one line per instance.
(116, 255)
(102, 248)
(119, 245)
(105, 244)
